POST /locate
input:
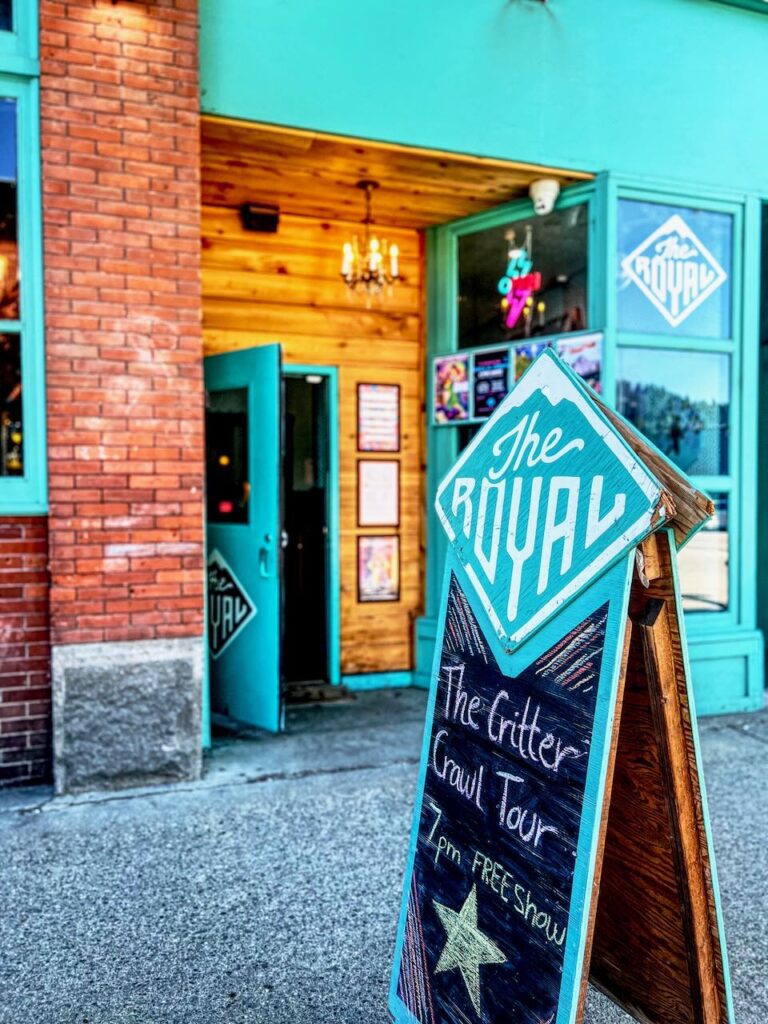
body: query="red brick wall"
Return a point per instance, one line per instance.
(120, 165)
(25, 689)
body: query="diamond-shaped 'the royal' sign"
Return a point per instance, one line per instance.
(674, 269)
(545, 497)
(229, 606)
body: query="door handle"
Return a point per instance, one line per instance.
(264, 563)
(264, 558)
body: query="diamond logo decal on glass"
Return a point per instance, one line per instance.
(674, 270)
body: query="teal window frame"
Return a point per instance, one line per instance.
(727, 649)
(442, 335)
(19, 48)
(603, 195)
(737, 484)
(27, 494)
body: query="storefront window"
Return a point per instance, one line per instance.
(11, 426)
(675, 270)
(22, 399)
(9, 249)
(524, 279)
(226, 429)
(680, 401)
(11, 436)
(703, 564)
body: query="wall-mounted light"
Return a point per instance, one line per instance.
(260, 217)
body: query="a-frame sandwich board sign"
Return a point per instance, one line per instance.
(560, 831)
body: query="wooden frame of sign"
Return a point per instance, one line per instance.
(656, 934)
(561, 831)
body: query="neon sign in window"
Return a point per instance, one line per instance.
(557, 255)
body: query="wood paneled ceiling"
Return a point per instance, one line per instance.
(314, 175)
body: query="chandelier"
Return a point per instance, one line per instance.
(374, 263)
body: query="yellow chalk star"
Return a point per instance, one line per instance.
(466, 946)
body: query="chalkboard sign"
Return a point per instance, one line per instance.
(500, 816)
(558, 597)
(509, 754)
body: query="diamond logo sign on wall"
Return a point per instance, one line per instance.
(545, 498)
(674, 269)
(229, 607)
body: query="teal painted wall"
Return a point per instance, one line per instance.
(667, 88)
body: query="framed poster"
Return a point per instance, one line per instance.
(378, 569)
(490, 380)
(584, 354)
(378, 417)
(450, 383)
(378, 492)
(525, 353)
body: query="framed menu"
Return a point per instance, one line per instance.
(378, 417)
(378, 492)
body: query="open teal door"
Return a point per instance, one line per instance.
(243, 444)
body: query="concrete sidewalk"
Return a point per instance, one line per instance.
(268, 893)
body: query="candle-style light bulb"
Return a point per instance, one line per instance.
(346, 259)
(394, 267)
(374, 257)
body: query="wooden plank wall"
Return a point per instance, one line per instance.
(261, 288)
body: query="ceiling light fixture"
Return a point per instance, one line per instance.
(374, 263)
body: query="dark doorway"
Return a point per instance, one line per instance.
(305, 564)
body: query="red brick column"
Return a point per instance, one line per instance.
(121, 224)
(25, 688)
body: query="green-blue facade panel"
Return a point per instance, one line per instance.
(664, 88)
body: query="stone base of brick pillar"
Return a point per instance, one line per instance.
(126, 713)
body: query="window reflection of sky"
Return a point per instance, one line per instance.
(700, 377)
(7, 140)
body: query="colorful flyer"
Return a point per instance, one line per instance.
(525, 353)
(584, 354)
(451, 384)
(490, 381)
(378, 569)
(378, 417)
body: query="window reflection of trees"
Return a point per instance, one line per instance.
(694, 434)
